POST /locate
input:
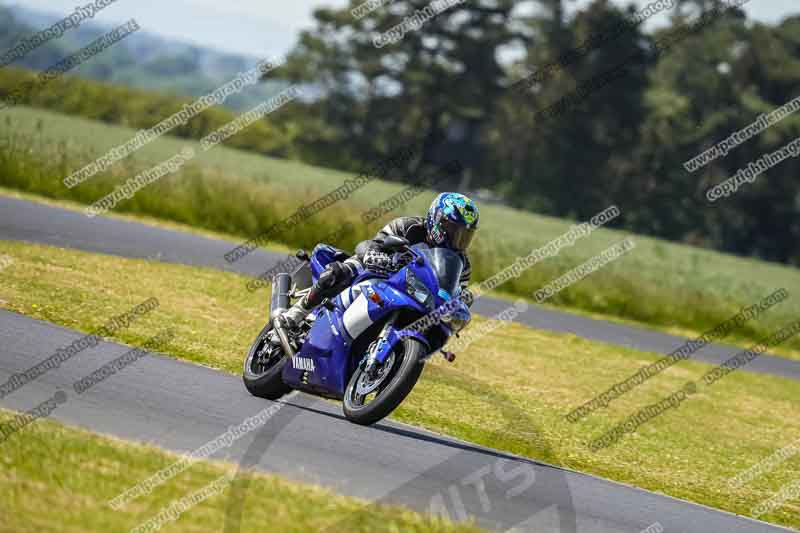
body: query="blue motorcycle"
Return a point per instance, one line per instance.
(367, 346)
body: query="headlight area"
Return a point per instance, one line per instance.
(417, 289)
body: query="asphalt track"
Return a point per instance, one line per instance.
(28, 221)
(181, 406)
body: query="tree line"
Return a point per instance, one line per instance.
(566, 113)
(563, 112)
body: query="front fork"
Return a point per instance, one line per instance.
(388, 338)
(380, 349)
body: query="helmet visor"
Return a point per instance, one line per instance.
(460, 236)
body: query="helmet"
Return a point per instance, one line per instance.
(452, 221)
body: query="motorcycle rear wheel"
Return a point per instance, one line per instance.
(406, 368)
(262, 370)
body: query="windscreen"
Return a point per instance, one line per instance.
(446, 264)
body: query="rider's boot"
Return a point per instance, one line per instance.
(292, 317)
(333, 279)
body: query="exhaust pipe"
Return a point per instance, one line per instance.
(279, 303)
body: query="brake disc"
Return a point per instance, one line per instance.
(367, 384)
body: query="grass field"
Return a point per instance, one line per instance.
(242, 194)
(510, 390)
(58, 478)
(735, 338)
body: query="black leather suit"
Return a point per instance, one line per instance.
(338, 275)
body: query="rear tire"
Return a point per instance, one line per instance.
(400, 382)
(264, 383)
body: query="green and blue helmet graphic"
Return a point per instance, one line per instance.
(452, 220)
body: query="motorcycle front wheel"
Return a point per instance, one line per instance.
(368, 399)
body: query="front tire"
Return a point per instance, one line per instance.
(406, 370)
(263, 368)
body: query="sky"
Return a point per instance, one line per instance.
(248, 27)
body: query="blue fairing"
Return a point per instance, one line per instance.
(325, 363)
(321, 256)
(328, 347)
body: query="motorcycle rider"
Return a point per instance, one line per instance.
(451, 222)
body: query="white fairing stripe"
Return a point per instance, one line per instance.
(356, 318)
(349, 295)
